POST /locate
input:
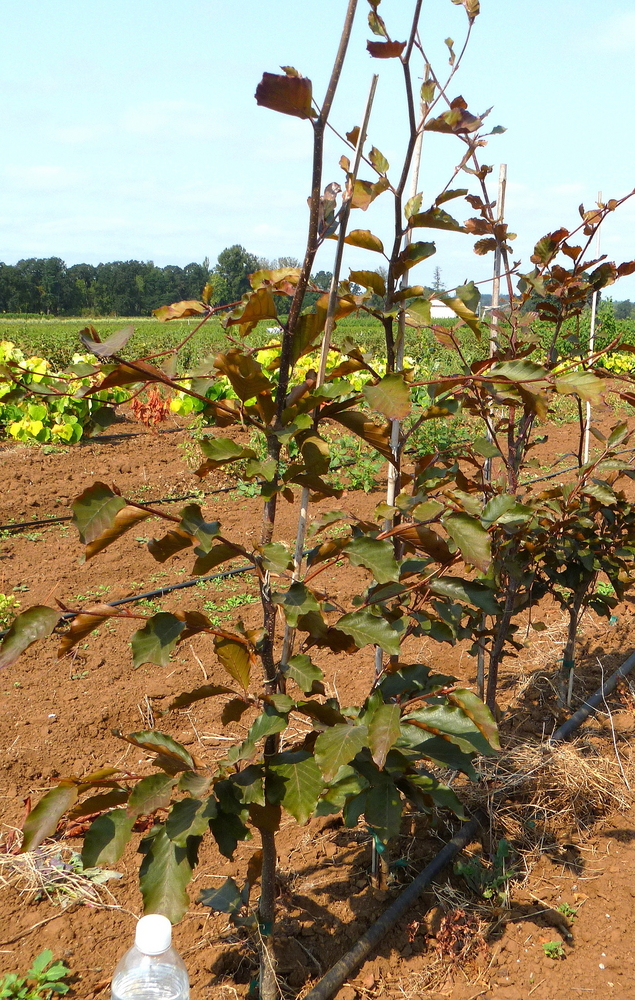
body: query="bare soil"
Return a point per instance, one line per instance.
(57, 717)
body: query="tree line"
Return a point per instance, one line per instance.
(125, 288)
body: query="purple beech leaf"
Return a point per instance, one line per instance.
(33, 624)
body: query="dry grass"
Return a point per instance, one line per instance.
(55, 872)
(540, 793)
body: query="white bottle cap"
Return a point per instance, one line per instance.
(154, 934)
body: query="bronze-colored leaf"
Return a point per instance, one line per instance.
(125, 519)
(85, 623)
(255, 306)
(179, 310)
(385, 50)
(289, 94)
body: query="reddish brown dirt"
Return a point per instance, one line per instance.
(57, 717)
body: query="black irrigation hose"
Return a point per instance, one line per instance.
(353, 958)
(67, 616)
(42, 523)
(342, 969)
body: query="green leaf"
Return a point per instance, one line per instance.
(486, 448)
(243, 371)
(226, 899)
(337, 746)
(366, 628)
(457, 305)
(298, 600)
(33, 624)
(519, 371)
(94, 511)
(599, 491)
(228, 829)
(220, 451)
(153, 792)
(413, 254)
(217, 555)
(379, 161)
(305, 673)
(435, 218)
(303, 782)
(189, 818)
(198, 694)
(391, 396)
(471, 538)
(383, 732)
(451, 722)
(235, 658)
(276, 557)
(376, 555)
(164, 875)
(583, 384)
(468, 591)
(503, 509)
(155, 641)
(193, 523)
(106, 839)
(171, 756)
(442, 796)
(98, 803)
(383, 809)
(43, 819)
(369, 279)
(268, 722)
(478, 712)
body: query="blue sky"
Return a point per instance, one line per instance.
(129, 129)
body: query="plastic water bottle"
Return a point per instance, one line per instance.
(151, 969)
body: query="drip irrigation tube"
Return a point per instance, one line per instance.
(338, 974)
(342, 969)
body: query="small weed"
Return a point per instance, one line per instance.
(21, 588)
(33, 536)
(79, 676)
(568, 911)
(17, 684)
(490, 882)
(41, 981)
(554, 950)
(8, 609)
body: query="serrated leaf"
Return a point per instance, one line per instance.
(337, 746)
(366, 628)
(383, 809)
(125, 518)
(164, 875)
(291, 95)
(29, 626)
(226, 899)
(376, 555)
(435, 218)
(391, 396)
(276, 557)
(383, 732)
(471, 538)
(106, 839)
(105, 348)
(478, 712)
(235, 657)
(305, 673)
(204, 532)
(94, 511)
(168, 751)
(155, 641)
(297, 601)
(189, 818)
(303, 782)
(153, 792)
(43, 819)
(379, 161)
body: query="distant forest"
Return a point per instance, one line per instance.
(47, 286)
